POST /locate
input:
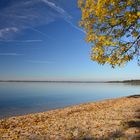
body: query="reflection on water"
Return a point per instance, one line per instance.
(23, 98)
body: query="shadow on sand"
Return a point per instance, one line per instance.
(134, 96)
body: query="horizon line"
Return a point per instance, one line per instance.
(73, 81)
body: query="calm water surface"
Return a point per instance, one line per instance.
(23, 98)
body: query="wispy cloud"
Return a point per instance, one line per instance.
(38, 31)
(40, 62)
(57, 8)
(27, 14)
(19, 15)
(74, 26)
(66, 16)
(4, 32)
(10, 54)
(21, 41)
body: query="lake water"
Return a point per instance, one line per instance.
(24, 98)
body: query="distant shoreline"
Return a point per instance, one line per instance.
(41, 81)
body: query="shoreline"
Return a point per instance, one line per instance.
(134, 81)
(111, 118)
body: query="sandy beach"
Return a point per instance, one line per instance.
(108, 119)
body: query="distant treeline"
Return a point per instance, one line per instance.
(125, 81)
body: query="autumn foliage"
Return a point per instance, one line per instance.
(113, 29)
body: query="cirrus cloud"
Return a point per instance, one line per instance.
(10, 54)
(27, 14)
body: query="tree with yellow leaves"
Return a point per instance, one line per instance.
(113, 28)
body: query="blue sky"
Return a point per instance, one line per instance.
(41, 40)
